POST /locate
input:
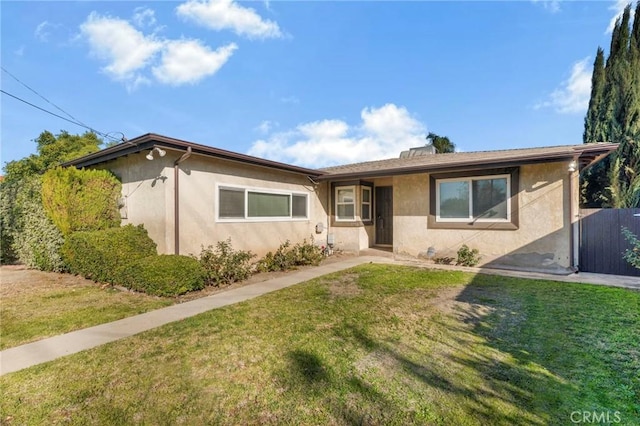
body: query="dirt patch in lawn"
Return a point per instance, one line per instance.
(18, 280)
(346, 286)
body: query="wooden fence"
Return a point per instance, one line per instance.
(602, 242)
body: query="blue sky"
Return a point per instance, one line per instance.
(312, 83)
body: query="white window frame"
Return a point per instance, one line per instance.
(470, 180)
(368, 203)
(353, 189)
(248, 189)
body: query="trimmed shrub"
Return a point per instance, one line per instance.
(468, 257)
(286, 258)
(163, 275)
(99, 255)
(224, 265)
(81, 200)
(35, 239)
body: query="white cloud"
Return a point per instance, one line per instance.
(574, 93)
(290, 100)
(126, 49)
(189, 61)
(44, 30)
(618, 8)
(135, 58)
(226, 14)
(266, 125)
(551, 5)
(144, 17)
(382, 133)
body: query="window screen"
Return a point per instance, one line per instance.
(231, 203)
(298, 206)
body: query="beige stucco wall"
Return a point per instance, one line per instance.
(540, 242)
(148, 188)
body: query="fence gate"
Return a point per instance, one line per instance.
(602, 243)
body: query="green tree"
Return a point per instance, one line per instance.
(442, 144)
(614, 116)
(51, 151)
(593, 127)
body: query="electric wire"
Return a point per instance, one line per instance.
(41, 96)
(77, 123)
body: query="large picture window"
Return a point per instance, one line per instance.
(483, 198)
(237, 203)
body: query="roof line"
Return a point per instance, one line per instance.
(148, 140)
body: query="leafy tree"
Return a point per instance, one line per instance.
(614, 116)
(51, 151)
(442, 144)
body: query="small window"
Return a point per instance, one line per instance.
(299, 206)
(231, 202)
(346, 203)
(365, 215)
(476, 199)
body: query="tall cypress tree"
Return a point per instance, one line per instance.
(593, 131)
(614, 116)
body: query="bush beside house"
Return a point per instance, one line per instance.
(35, 240)
(163, 275)
(81, 200)
(99, 255)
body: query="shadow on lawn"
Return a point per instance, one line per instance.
(569, 347)
(351, 397)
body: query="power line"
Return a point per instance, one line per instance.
(47, 100)
(77, 123)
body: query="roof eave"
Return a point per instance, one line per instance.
(149, 140)
(600, 151)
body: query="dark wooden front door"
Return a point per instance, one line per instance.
(384, 215)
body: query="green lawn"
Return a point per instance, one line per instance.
(34, 312)
(373, 345)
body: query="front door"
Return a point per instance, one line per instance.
(384, 215)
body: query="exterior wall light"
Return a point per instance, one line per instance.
(572, 166)
(161, 153)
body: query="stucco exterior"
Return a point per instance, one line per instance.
(542, 240)
(148, 197)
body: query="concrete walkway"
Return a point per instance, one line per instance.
(17, 358)
(24, 356)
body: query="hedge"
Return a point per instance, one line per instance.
(163, 275)
(81, 200)
(99, 255)
(34, 238)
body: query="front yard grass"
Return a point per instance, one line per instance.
(377, 344)
(36, 304)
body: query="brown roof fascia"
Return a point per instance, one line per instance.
(149, 140)
(582, 152)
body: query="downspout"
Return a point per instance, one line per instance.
(573, 223)
(176, 199)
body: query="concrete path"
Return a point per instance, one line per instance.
(24, 356)
(17, 358)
